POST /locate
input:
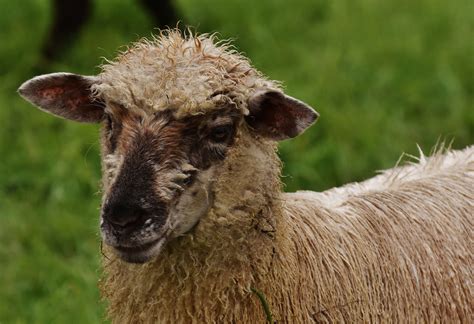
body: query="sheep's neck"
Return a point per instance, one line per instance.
(226, 252)
(246, 208)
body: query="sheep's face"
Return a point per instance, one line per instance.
(159, 169)
(158, 175)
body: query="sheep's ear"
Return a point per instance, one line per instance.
(65, 95)
(277, 116)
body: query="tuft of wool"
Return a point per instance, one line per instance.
(395, 248)
(188, 74)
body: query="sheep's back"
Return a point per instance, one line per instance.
(394, 248)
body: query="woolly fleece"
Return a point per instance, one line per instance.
(396, 248)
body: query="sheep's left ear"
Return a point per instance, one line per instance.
(277, 116)
(65, 95)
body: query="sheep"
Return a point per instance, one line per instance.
(195, 224)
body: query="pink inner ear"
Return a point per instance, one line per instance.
(51, 93)
(278, 116)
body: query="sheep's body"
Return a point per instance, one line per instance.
(396, 248)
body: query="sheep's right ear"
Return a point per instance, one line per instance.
(65, 95)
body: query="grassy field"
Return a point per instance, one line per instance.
(384, 75)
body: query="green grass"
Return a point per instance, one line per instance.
(384, 75)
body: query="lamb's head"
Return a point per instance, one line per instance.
(170, 110)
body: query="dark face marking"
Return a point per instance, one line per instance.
(209, 138)
(156, 161)
(112, 132)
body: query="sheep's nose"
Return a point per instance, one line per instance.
(124, 215)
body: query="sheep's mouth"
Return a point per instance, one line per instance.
(140, 253)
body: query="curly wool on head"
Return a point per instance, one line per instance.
(190, 74)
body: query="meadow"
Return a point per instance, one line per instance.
(384, 76)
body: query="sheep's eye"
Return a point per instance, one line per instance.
(220, 134)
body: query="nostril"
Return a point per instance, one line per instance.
(123, 215)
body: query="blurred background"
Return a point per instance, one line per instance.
(384, 75)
